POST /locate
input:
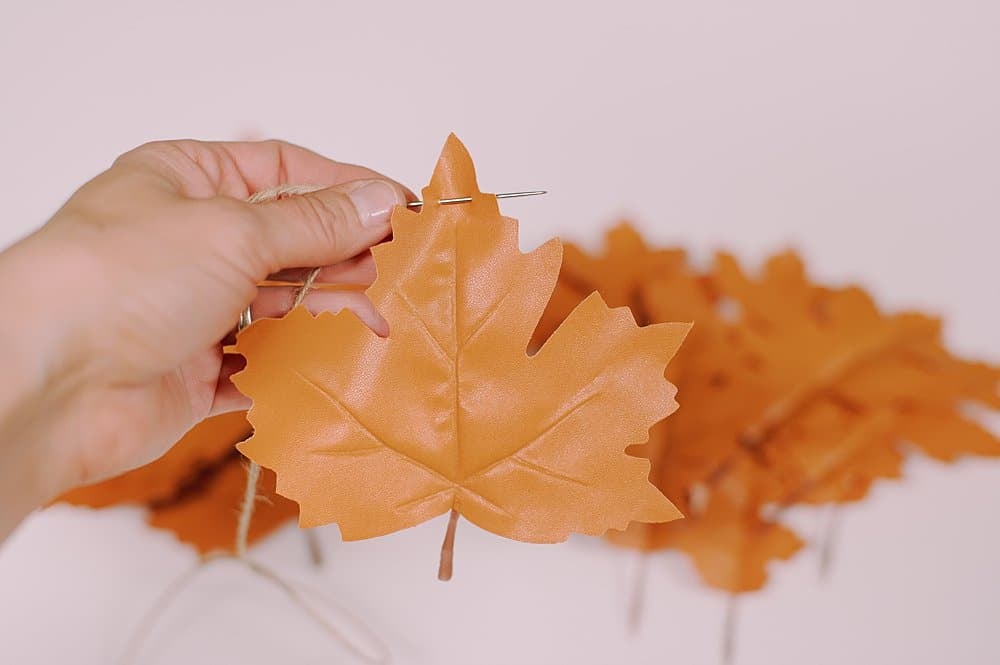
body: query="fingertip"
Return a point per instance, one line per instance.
(227, 397)
(374, 199)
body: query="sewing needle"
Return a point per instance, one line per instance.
(245, 318)
(467, 199)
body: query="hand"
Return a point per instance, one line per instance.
(120, 303)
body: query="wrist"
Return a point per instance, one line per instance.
(41, 371)
(23, 485)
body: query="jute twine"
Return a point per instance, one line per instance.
(358, 634)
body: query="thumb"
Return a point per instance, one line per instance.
(329, 225)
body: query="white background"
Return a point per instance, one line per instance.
(864, 132)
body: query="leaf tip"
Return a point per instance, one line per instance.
(658, 508)
(454, 175)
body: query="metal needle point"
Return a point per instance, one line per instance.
(467, 199)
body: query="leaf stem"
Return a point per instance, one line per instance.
(448, 548)
(637, 600)
(800, 396)
(729, 630)
(315, 549)
(829, 541)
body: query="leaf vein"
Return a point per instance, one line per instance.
(367, 430)
(426, 497)
(489, 504)
(348, 452)
(423, 324)
(591, 394)
(494, 308)
(545, 471)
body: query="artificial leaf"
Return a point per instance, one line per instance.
(822, 344)
(199, 451)
(687, 448)
(729, 542)
(618, 274)
(205, 516)
(449, 412)
(691, 452)
(711, 371)
(195, 489)
(930, 393)
(801, 392)
(830, 454)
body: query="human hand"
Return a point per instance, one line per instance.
(116, 347)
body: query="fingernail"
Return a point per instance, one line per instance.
(374, 202)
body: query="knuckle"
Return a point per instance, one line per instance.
(233, 230)
(150, 148)
(157, 155)
(326, 216)
(239, 223)
(278, 149)
(274, 144)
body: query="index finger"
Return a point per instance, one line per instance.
(266, 164)
(240, 168)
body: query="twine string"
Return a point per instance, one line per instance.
(246, 510)
(375, 652)
(253, 470)
(365, 644)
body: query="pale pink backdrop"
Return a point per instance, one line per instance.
(864, 132)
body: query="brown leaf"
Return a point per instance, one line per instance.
(449, 412)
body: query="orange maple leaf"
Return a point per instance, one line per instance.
(696, 458)
(830, 453)
(729, 541)
(795, 393)
(194, 490)
(205, 516)
(819, 345)
(659, 285)
(449, 412)
(618, 274)
(711, 372)
(199, 451)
